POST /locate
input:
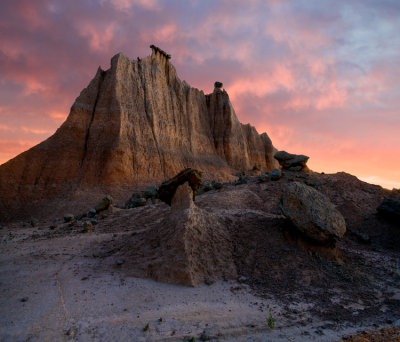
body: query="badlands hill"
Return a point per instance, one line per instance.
(285, 255)
(135, 124)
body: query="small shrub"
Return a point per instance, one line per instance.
(271, 320)
(147, 327)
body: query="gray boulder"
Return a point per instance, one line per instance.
(262, 178)
(69, 218)
(241, 180)
(217, 185)
(137, 200)
(104, 203)
(275, 174)
(91, 213)
(312, 213)
(292, 162)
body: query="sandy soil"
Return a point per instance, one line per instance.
(58, 291)
(59, 284)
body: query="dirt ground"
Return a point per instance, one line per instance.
(60, 284)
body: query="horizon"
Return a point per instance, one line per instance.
(319, 80)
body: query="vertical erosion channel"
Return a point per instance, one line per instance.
(92, 117)
(149, 119)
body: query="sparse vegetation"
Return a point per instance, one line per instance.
(271, 320)
(147, 327)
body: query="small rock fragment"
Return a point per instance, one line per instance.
(91, 213)
(204, 337)
(241, 279)
(69, 218)
(208, 282)
(70, 332)
(217, 185)
(262, 178)
(241, 180)
(34, 222)
(275, 174)
(206, 187)
(87, 227)
(152, 193)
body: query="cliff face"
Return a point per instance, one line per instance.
(136, 123)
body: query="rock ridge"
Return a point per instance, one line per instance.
(135, 124)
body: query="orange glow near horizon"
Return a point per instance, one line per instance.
(321, 80)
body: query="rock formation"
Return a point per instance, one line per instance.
(292, 162)
(312, 213)
(193, 245)
(104, 204)
(136, 123)
(167, 189)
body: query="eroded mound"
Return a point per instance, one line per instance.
(187, 246)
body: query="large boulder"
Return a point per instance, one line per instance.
(104, 204)
(312, 213)
(289, 161)
(167, 189)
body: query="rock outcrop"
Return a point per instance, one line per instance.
(292, 162)
(193, 246)
(167, 189)
(312, 213)
(136, 123)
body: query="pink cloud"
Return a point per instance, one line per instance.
(99, 36)
(318, 81)
(124, 5)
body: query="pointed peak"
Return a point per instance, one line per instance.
(117, 59)
(119, 55)
(99, 71)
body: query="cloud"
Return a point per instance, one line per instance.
(321, 78)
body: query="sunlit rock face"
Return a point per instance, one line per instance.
(135, 123)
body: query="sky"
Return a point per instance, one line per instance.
(321, 77)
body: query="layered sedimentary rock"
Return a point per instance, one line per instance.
(136, 123)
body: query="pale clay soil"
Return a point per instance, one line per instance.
(64, 285)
